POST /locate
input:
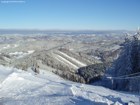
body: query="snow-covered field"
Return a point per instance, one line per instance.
(8, 46)
(21, 54)
(18, 87)
(5, 47)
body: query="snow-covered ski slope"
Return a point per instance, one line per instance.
(18, 87)
(68, 60)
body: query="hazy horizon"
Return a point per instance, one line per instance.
(32, 29)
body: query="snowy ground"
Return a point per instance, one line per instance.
(25, 88)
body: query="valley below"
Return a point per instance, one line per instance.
(65, 53)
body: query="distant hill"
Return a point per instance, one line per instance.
(51, 32)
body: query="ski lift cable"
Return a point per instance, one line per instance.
(123, 77)
(128, 75)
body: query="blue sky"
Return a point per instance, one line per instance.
(70, 14)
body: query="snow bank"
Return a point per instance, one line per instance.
(25, 88)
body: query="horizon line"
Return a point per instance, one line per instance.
(35, 29)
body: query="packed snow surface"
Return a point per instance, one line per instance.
(18, 87)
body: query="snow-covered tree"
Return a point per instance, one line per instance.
(128, 63)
